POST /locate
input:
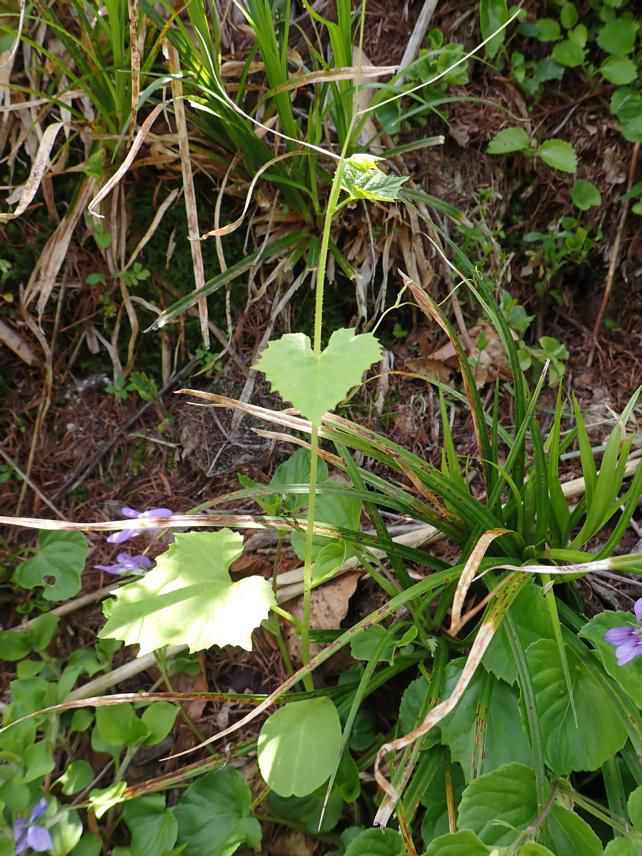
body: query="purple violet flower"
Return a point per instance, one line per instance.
(126, 562)
(132, 514)
(29, 834)
(627, 639)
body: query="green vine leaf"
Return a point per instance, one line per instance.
(189, 598)
(362, 179)
(316, 383)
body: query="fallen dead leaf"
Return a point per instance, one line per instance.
(329, 606)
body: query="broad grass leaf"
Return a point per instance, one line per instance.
(316, 383)
(152, 826)
(214, 816)
(629, 676)
(558, 154)
(462, 843)
(508, 140)
(190, 598)
(57, 565)
(507, 794)
(567, 747)
(568, 835)
(299, 745)
(485, 729)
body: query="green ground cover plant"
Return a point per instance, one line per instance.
(519, 727)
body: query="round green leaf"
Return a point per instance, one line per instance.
(567, 747)
(308, 811)
(585, 195)
(190, 598)
(558, 154)
(298, 746)
(618, 36)
(568, 15)
(76, 777)
(316, 383)
(66, 833)
(377, 842)
(214, 816)
(159, 720)
(507, 793)
(457, 844)
(118, 725)
(548, 30)
(89, 845)
(629, 676)
(508, 140)
(56, 566)
(619, 70)
(568, 54)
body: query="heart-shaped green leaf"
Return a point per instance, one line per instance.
(56, 566)
(190, 598)
(316, 383)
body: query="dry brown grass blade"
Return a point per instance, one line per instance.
(468, 575)
(24, 194)
(14, 341)
(134, 45)
(138, 141)
(44, 275)
(427, 307)
(188, 187)
(158, 216)
(364, 72)
(502, 597)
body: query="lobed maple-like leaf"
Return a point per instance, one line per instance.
(189, 598)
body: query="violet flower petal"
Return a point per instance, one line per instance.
(122, 536)
(38, 810)
(628, 650)
(110, 569)
(637, 609)
(157, 512)
(126, 511)
(617, 635)
(39, 839)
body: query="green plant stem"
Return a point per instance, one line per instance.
(307, 563)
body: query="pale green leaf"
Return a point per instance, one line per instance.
(508, 140)
(558, 154)
(57, 565)
(623, 847)
(214, 815)
(189, 598)
(102, 799)
(316, 383)
(568, 54)
(298, 746)
(566, 747)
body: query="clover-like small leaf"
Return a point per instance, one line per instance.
(190, 598)
(558, 154)
(508, 140)
(316, 383)
(363, 179)
(585, 195)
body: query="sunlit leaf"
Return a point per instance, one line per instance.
(190, 598)
(363, 179)
(316, 383)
